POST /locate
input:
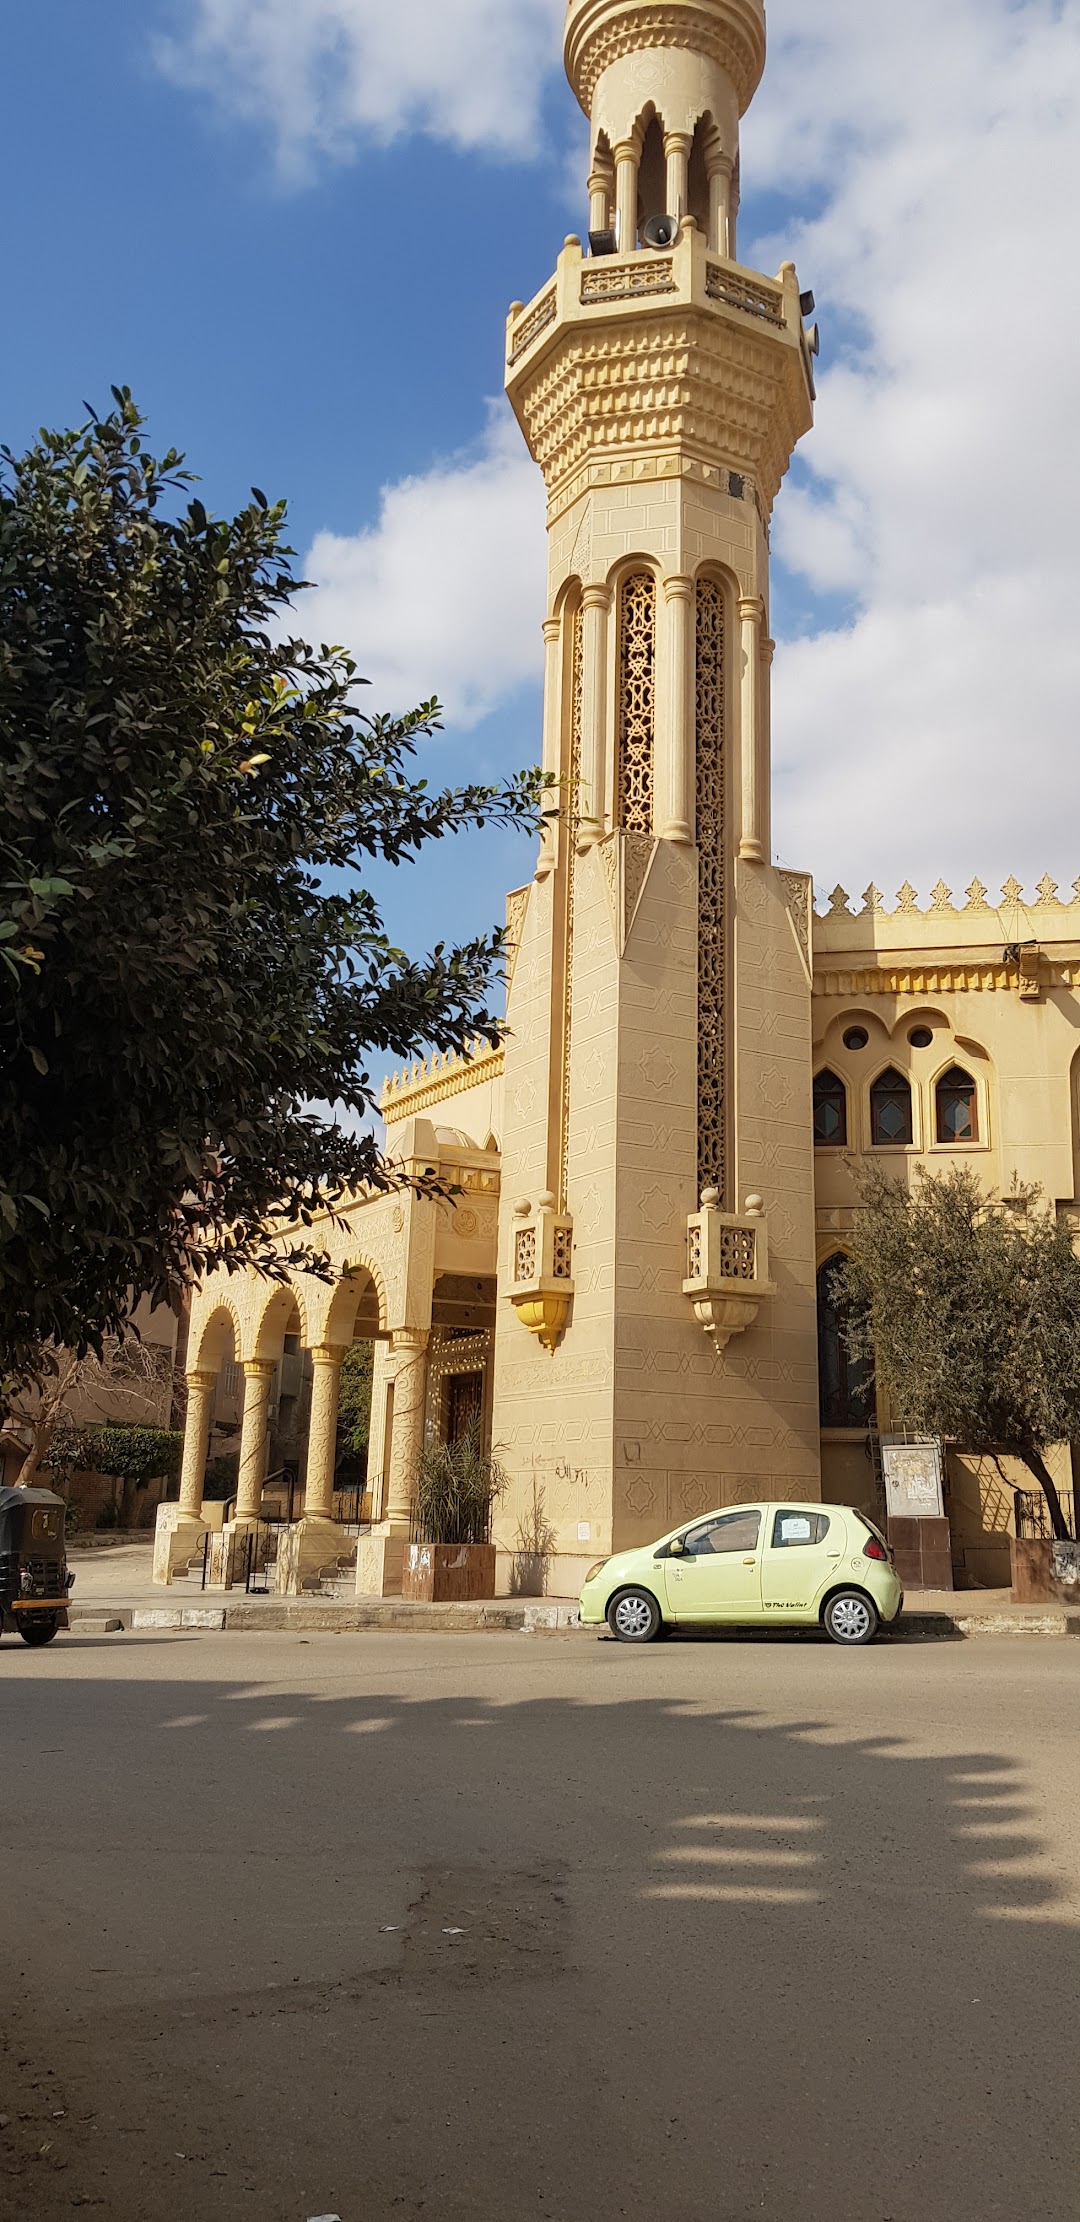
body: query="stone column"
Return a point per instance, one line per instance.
(677, 145)
(676, 816)
(553, 632)
(311, 1545)
(322, 1433)
(179, 1528)
(200, 1399)
(595, 606)
(600, 182)
(380, 1556)
(768, 651)
(258, 1375)
(751, 613)
(410, 1411)
(720, 228)
(626, 194)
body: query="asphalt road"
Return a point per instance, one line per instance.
(487, 1929)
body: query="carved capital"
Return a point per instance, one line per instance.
(259, 1369)
(596, 597)
(679, 588)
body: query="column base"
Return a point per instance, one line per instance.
(178, 1536)
(380, 1561)
(303, 1551)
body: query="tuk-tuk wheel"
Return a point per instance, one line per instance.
(41, 1628)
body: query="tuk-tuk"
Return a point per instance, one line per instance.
(34, 1578)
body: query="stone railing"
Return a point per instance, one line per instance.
(534, 321)
(626, 278)
(755, 297)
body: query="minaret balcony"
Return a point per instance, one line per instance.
(727, 1266)
(663, 354)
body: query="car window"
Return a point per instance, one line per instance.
(794, 1529)
(733, 1531)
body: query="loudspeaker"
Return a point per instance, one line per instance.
(660, 231)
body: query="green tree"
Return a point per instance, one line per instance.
(354, 1413)
(968, 1306)
(135, 1456)
(189, 961)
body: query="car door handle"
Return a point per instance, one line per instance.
(749, 1562)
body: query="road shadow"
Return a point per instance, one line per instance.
(631, 1955)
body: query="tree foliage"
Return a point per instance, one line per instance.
(969, 1306)
(189, 960)
(354, 1412)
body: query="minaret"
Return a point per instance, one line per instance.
(655, 1351)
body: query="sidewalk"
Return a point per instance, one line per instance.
(113, 1591)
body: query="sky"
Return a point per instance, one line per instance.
(293, 227)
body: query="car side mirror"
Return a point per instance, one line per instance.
(677, 1548)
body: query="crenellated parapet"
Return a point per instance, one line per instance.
(433, 1080)
(1022, 945)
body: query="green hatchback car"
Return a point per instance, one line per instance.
(752, 1566)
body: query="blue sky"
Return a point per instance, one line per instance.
(291, 238)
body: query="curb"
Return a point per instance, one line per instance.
(503, 1617)
(299, 1615)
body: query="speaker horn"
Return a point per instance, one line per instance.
(660, 231)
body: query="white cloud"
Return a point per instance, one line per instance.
(324, 75)
(444, 594)
(939, 144)
(937, 731)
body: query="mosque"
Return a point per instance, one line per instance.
(655, 1170)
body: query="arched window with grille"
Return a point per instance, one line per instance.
(830, 1111)
(845, 1384)
(957, 1106)
(891, 1124)
(637, 701)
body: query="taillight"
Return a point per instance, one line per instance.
(873, 1549)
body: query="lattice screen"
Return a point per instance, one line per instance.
(637, 701)
(573, 819)
(712, 889)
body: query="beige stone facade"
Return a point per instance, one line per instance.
(627, 1273)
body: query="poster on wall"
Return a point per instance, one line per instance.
(914, 1478)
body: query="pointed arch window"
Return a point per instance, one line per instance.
(830, 1111)
(957, 1106)
(845, 1384)
(891, 1125)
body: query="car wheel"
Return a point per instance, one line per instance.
(41, 1629)
(851, 1617)
(634, 1617)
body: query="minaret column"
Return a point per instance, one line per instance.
(595, 612)
(553, 632)
(676, 766)
(768, 651)
(751, 842)
(627, 158)
(677, 145)
(601, 181)
(720, 225)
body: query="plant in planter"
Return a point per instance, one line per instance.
(452, 1557)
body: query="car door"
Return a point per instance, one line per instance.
(803, 1547)
(718, 1575)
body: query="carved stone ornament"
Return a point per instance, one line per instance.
(727, 1263)
(542, 1286)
